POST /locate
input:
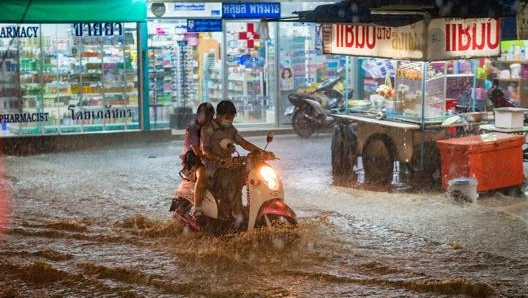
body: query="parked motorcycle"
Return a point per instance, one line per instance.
(311, 111)
(265, 199)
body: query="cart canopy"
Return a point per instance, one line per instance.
(396, 13)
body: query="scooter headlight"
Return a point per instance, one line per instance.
(268, 174)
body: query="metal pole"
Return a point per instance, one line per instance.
(224, 61)
(422, 124)
(276, 72)
(144, 102)
(474, 91)
(346, 83)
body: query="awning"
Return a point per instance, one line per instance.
(72, 11)
(396, 13)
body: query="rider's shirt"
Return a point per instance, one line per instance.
(192, 136)
(211, 135)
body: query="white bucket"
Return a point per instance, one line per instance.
(465, 187)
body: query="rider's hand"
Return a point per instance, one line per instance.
(258, 151)
(231, 148)
(226, 161)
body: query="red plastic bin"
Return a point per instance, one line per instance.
(495, 160)
(451, 103)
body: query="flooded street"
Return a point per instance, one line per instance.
(96, 224)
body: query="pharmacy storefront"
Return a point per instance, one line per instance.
(64, 70)
(213, 51)
(135, 65)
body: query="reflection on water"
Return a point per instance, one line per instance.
(95, 224)
(330, 254)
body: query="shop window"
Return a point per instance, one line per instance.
(303, 66)
(250, 62)
(70, 78)
(184, 70)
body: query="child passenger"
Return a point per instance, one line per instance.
(192, 154)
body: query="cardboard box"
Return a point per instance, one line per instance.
(510, 118)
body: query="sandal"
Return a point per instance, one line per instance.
(197, 213)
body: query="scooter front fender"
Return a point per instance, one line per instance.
(276, 207)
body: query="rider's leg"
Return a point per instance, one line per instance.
(199, 187)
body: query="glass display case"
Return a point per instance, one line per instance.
(431, 83)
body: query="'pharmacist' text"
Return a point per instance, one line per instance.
(24, 117)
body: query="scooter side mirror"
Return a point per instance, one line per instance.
(269, 137)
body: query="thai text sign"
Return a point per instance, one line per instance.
(251, 10)
(204, 25)
(404, 42)
(97, 29)
(446, 39)
(463, 38)
(189, 10)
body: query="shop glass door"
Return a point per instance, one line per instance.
(251, 71)
(184, 70)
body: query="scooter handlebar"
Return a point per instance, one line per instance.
(259, 155)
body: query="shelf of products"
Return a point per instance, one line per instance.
(212, 80)
(513, 79)
(9, 82)
(245, 88)
(439, 87)
(72, 84)
(173, 77)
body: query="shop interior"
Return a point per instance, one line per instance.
(451, 87)
(69, 80)
(253, 64)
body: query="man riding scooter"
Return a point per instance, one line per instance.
(227, 176)
(497, 96)
(217, 135)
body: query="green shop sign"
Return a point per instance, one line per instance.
(72, 11)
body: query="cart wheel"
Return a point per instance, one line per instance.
(301, 122)
(378, 159)
(343, 149)
(431, 166)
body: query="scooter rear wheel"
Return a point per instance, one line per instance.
(301, 122)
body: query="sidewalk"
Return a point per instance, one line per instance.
(27, 145)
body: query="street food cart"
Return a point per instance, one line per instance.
(404, 127)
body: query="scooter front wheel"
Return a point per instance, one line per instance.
(272, 220)
(302, 123)
(283, 229)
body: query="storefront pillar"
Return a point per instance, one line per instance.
(143, 63)
(277, 81)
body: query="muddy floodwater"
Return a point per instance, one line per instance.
(96, 224)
